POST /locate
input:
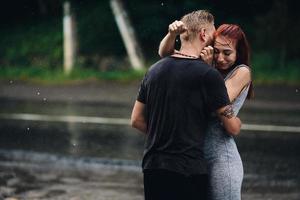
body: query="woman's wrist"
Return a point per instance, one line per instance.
(171, 36)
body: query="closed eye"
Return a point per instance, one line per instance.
(227, 52)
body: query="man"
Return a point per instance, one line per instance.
(175, 99)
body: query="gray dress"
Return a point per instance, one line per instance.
(225, 166)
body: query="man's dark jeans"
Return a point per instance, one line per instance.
(167, 185)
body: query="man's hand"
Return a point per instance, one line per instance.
(231, 123)
(177, 28)
(207, 54)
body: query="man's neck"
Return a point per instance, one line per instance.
(191, 49)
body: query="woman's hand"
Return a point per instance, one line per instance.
(207, 54)
(166, 46)
(177, 28)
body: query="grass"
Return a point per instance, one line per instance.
(267, 71)
(263, 73)
(288, 75)
(57, 76)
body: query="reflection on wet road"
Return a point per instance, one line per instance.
(107, 156)
(107, 141)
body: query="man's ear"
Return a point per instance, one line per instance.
(202, 34)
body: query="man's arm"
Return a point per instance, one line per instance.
(138, 120)
(231, 123)
(218, 101)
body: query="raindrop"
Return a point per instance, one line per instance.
(297, 90)
(44, 99)
(162, 4)
(38, 93)
(28, 129)
(11, 82)
(74, 144)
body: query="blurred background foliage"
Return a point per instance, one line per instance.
(31, 33)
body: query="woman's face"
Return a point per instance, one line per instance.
(224, 52)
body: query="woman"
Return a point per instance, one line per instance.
(230, 55)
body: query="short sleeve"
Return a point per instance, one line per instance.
(216, 91)
(141, 97)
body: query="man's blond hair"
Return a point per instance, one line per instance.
(194, 22)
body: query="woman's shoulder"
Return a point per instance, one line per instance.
(240, 73)
(243, 67)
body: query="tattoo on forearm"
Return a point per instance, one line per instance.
(228, 112)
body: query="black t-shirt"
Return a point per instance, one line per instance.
(179, 94)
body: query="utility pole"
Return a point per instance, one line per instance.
(128, 35)
(69, 38)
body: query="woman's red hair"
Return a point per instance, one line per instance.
(235, 32)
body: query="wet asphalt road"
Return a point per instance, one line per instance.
(68, 160)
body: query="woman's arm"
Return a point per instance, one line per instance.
(167, 45)
(237, 82)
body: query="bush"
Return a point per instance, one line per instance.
(35, 44)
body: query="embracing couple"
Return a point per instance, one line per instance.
(187, 106)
